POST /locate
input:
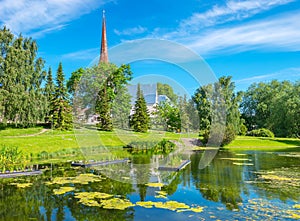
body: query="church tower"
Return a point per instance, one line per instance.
(103, 50)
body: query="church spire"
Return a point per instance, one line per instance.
(103, 50)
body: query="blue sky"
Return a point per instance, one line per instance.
(252, 40)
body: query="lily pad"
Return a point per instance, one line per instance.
(154, 184)
(171, 205)
(297, 206)
(92, 195)
(116, 203)
(80, 179)
(147, 204)
(63, 190)
(22, 185)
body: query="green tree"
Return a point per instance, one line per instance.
(21, 76)
(114, 82)
(215, 104)
(121, 109)
(165, 89)
(274, 105)
(140, 119)
(203, 106)
(61, 112)
(49, 93)
(170, 116)
(74, 80)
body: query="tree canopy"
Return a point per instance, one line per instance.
(22, 100)
(275, 106)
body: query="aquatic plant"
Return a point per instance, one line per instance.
(80, 179)
(63, 190)
(170, 205)
(116, 203)
(22, 185)
(154, 184)
(12, 159)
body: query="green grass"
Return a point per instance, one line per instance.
(19, 132)
(64, 143)
(257, 143)
(54, 141)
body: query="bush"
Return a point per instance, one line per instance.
(229, 135)
(243, 130)
(11, 159)
(263, 132)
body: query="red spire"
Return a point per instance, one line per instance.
(103, 52)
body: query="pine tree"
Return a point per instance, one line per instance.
(103, 109)
(140, 119)
(49, 93)
(60, 108)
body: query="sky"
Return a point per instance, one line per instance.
(250, 40)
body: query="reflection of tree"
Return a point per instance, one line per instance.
(221, 181)
(142, 172)
(38, 201)
(285, 186)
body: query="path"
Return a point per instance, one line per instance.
(30, 135)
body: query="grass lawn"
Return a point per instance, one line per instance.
(31, 142)
(257, 143)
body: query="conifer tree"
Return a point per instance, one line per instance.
(61, 116)
(49, 93)
(140, 119)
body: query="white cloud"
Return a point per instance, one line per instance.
(131, 31)
(88, 54)
(290, 74)
(274, 33)
(232, 10)
(30, 16)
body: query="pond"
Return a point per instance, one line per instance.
(234, 186)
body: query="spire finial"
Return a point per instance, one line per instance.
(103, 13)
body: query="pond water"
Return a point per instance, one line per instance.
(234, 186)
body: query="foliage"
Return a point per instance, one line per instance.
(22, 101)
(229, 135)
(141, 118)
(74, 80)
(169, 115)
(263, 132)
(243, 130)
(275, 106)
(114, 81)
(61, 111)
(162, 147)
(165, 89)
(11, 159)
(49, 93)
(121, 109)
(188, 114)
(218, 106)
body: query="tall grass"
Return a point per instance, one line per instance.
(12, 159)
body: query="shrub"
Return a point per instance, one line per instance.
(229, 135)
(263, 132)
(11, 159)
(243, 130)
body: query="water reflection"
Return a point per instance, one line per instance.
(236, 186)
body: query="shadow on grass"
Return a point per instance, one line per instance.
(295, 143)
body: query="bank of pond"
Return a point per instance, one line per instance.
(244, 185)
